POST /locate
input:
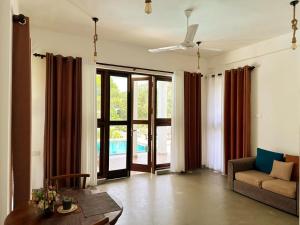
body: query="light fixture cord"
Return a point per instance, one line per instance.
(294, 24)
(198, 55)
(95, 40)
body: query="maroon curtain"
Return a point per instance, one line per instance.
(192, 120)
(237, 113)
(62, 144)
(21, 112)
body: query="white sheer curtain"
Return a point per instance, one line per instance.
(89, 123)
(214, 124)
(177, 146)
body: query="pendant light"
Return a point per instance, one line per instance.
(294, 24)
(95, 38)
(198, 56)
(148, 7)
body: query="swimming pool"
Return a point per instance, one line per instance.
(118, 147)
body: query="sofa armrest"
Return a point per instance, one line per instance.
(237, 165)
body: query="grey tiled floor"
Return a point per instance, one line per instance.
(191, 199)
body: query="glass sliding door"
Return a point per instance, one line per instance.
(119, 125)
(113, 123)
(162, 122)
(118, 98)
(163, 98)
(117, 147)
(141, 123)
(133, 123)
(140, 145)
(163, 145)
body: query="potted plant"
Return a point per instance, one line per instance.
(45, 199)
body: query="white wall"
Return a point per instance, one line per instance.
(109, 52)
(275, 92)
(38, 85)
(5, 112)
(7, 7)
(275, 82)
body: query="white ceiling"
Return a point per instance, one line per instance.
(223, 24)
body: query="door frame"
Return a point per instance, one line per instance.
(159, 122)
(105, 124)
(134, 166)
(101, 123)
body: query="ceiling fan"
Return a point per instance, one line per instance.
(189, 38)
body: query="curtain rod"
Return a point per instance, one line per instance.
(39, 55)
(115, 65)
(134, 68)
(250, 67)
(219, 74)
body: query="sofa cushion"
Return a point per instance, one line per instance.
(295, 160)
(282, 170)
(282, 187)
(264, 160)
(252, 177)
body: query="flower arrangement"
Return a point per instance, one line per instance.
(45, 199)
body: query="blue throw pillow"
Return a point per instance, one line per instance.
(264, 160)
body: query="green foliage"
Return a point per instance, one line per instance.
(118, 106)
(118, 110)
(142, 101)
(118, 102)
(142, 92)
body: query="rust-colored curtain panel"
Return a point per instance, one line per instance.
(192, 120)
(21, 113)
(62, 144)
(237, 111)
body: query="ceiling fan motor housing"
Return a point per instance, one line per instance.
(188, 12)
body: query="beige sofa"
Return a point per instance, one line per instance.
(244, 179)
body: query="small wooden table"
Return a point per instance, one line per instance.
(30, 215)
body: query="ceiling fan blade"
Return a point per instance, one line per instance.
(164, 49)
(211, 49)
(191, 32)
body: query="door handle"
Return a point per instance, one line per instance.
(132, 130)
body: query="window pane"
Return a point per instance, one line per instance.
(117, 147)
(164, 99)
(140, 144)
(98, 90)
(140, 100)
(163, 144)
(98, 149)
(118, 98)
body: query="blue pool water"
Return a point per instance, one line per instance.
(117, 147)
